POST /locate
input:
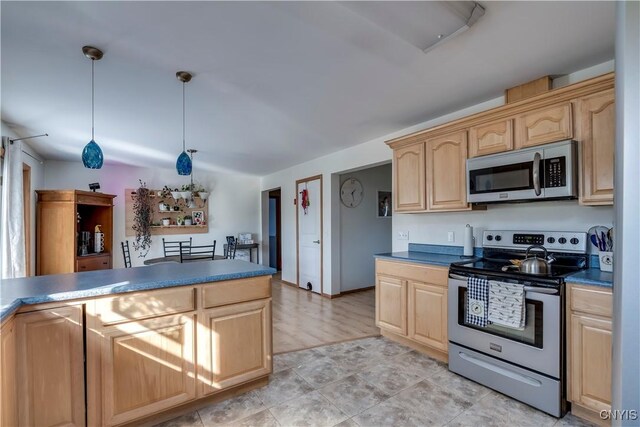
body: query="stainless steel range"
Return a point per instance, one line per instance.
(526, 363)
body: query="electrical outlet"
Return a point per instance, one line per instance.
(451, 236)
(403, 235)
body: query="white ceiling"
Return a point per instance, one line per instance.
(276, 83)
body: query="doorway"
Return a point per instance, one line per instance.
(309, 233)
(26, 200)
(275, 230)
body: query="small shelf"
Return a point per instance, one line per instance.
(157, 214)
(178, 226)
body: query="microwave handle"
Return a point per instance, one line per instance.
(536, 173)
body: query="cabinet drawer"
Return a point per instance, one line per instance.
(102, 262)
(591, 301)
(142, 305)
(409, 271)
(234, 291)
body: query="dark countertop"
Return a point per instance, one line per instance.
(62, 287)
(424, 257)
(592, 276)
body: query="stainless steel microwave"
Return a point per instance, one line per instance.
(538, 173)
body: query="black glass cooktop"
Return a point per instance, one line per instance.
(498, 263)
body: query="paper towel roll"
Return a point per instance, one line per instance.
(468, 241)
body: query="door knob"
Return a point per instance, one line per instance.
(316, 241)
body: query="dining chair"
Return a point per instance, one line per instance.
(197, 253)
(126, 254)
(172, 248)
(232, 245)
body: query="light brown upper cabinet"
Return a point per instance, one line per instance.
(446, 172)
(409, 178)
(492, 137)
(543, 125)
(597, 136)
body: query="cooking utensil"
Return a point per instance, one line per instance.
(594, 240)
(535, 265)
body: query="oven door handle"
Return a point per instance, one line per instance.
(533, 289)
(499, 370)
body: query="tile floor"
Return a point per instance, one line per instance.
(368, 382)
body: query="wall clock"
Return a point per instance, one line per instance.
(351, 193)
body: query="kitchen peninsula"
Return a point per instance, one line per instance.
(146, 342)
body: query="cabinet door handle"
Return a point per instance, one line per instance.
(316, 241)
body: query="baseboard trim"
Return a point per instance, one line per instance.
(432, 352)
(353, 291)
(589, 415)
(350, 291)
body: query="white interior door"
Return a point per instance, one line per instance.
(310, 236)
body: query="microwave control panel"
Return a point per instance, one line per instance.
(555, 172)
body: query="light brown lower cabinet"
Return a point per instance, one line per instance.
(228, 358)
(150, 352)
(8, 381)
(147, 366)
(589, 348)
(50, 367)
(411, 302)
(391, 304)
(142, 355)
(428, 314)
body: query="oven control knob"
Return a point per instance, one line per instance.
(498, 238)
(562, 240)
(551, 240)
(489, 237)
(574, 241)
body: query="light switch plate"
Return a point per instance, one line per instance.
(403, 235)
(451, 236)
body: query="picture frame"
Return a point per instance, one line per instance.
(198, 217)
(384, 207)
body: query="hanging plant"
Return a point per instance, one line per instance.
(142, 219)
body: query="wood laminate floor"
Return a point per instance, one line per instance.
(302, 319)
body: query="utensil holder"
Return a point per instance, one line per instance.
(606, 261)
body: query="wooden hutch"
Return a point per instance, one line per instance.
(61, 216)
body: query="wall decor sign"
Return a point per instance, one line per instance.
(198, 217)
(384, 204)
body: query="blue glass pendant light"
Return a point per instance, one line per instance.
(92, 157)
(183, 164)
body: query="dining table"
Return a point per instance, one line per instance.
(173, 259)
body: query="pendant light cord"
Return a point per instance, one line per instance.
(92, 101)
(183, 118)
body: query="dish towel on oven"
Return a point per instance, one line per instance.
(507, 304)
(477, 301)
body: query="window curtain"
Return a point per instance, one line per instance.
(12, 219)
